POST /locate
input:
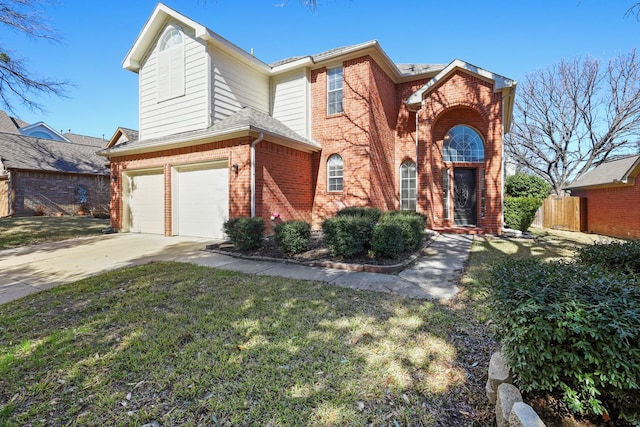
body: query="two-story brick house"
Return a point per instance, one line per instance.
(223, 134)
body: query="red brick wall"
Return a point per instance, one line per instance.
(55, 193)
(283, 178)
(613, 211)
(459, 99)
(284, 183)
(346, 134)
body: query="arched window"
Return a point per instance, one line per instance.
(171, 37)
(171, 64)
(463, 144)
(334, 173)
(408, 186)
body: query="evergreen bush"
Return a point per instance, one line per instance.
(525, 185)
(620, 256)
(571, 329)
(347, 236)
(293, 237)
(245, 233)
(519, 212)
(388, 241)
(411, 224)
(373, 214)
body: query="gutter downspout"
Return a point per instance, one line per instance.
(253, 173)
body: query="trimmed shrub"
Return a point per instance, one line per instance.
(411, 224)
(624, 257)
(525, 185)
(293, 237)
(387, 240)
(347, 236)
(373, 214)
(519, 212)
(570, 329)
(244, 233)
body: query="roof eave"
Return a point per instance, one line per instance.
(212, 137)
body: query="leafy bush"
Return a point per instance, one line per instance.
(373, 214)
(524, 185)
(411, 224)
(244, 233)
(623, 257)
(519, 212)
(293, 237)
(347, 236)
(387, 240)
(569, 328)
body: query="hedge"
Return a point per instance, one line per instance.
(245, 233)
(293, 237)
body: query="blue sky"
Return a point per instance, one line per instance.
(508, 37)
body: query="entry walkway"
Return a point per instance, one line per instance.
(31, 269)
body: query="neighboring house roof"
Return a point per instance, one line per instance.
(246, 121)
(86, 140)
(611, 173)
(29, 153)
(10, 124)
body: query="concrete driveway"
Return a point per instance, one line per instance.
(26, 270)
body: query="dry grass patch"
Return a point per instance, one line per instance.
(25, 231)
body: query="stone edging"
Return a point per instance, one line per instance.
(511, 411)
(369, 268)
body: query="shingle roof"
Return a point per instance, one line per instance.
(25, 152)
(244, 120)
(607, 173)
(86, 140)
(10, 124)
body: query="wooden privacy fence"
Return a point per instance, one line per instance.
(563, 213)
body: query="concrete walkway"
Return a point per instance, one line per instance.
(27, 270)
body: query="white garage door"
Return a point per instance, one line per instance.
(202, 200)
(146, 203)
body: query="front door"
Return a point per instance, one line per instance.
(465, 206)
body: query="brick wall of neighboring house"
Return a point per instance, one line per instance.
(53, 193)
(283, 178)
(610, 211)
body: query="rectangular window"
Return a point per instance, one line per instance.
(408, 186)
(483, 192)
(334, 90)
(445, 192)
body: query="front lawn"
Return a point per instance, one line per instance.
(32, 230)
(185, 345)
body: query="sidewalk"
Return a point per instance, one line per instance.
(32, 269)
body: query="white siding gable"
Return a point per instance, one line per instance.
(236, 85)
(289, 96)
(174, 109)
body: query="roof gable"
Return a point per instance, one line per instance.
(500, 84)
(44, 131)
(610, 173)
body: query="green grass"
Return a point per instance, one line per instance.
(186, 345)
(25, 231)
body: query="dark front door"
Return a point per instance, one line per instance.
(465, 205)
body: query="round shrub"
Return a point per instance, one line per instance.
(525, 185)
(411, 224)
(387, 240)
(293, 237)
(570, 329)
(245, 233)
(519, 212)
(347, 236)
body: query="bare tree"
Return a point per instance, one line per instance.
(24, 16)
(574, 115)
(634, 10)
